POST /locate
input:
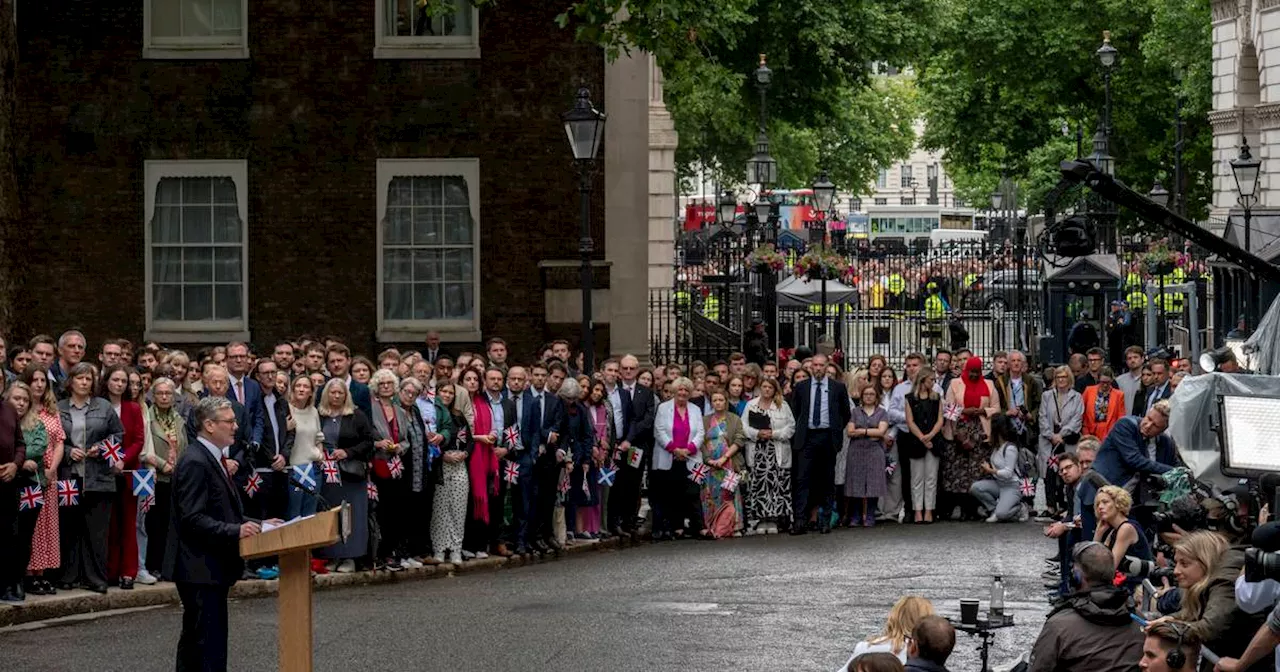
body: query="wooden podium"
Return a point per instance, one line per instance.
(293, 542)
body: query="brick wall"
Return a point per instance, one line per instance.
(311, 111)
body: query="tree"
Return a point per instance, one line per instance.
(1004, 77)
(8, 177)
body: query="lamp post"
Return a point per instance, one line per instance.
(584, 126)
(761, 168)
(1103, 212)
(1247, 170)
(824, 197)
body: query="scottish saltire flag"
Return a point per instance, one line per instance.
(68, 493)
(607, 474)
(30, 498)
(330, 469)
(396, 465)
(252, 485)
(730, 481)
(112, 451)
(511, 472)
(698, 473)
(305, 475)
(144, 482)
(371, 490)
(433, 451)
(511, 436)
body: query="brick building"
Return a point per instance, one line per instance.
(197, 171)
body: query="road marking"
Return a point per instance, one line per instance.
(78, 618)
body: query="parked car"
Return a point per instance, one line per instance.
(997, 291)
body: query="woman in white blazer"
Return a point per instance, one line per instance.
(769, 457)
(678, 434)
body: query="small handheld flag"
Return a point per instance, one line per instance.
(637, 454)
(512, 437)
(952, 412)
(330, 469)
(396, 465)
(698, 473)
(68, 493)
(145, 504)
(144, 482)
(371, 490)
(563, 485)
(730, 481)
(511, 473)
(429, 395)
(1053, 462)
(112, 451)
(304, 474)
(30, 498)
(1027, 487)
(607, 474)
(433, 451)
(253, 484)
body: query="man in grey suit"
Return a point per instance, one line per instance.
(821, 408)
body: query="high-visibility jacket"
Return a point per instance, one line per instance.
(877, 295)
(682, 298)
(1136, 300)
(1173, 300)
(934, 308)
(969, 279)
(832, 309)
(896, 284)
(711, 307)
(1133, 281)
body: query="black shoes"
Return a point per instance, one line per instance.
(797, 531)
(99, 589)
(126, 583)
(11, 594)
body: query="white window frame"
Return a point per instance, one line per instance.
(399, 331)
(194, 47)
(206, 331)
(425, 46)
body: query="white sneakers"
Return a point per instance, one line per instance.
(346, 566)
(468, 555)
(145, 578)
(410, 563)
(481, 555)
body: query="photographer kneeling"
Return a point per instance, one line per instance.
(1091, 629)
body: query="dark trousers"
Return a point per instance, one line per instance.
(546, 474)
(83, 530)
(812, 474)
(524, 506)
(203, 643)
(479, 535)
(157, 522)
(420, 506)
(12, 564)
(669, 496)
(1065, 543)
(392, 513)
(624, 496)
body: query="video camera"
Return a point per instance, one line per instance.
(1139, 568)
(1262, 560)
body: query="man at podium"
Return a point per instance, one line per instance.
(203, 554)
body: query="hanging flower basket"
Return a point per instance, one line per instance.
(766, 258)
(821, 263)
(1160, 260)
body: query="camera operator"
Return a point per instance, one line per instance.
(1205, 567)
(1133, 448)
(1255, 597)
(1091, 629)
(1169, 647)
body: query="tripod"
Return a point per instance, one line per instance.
(987, 633)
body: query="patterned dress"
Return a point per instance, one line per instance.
(449, 511)
(721, 508)
(962, 460)
(865, 457)
(45, 551)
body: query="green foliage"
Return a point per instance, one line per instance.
(1004, 76)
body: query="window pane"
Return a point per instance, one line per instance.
(166, 21)
(197, 302)
(426, 191)
(397, 18)
(426, 226)
(397, 266)
(166, 302)
(457, 265)
(400, 192)
(457, 300)
(457, 23)
(397, 301)
(169, 191)
(166, 264)
(226, 264)
(197, 18)
(197, 224)
(227, 20)
(226, 224)
(166, 224)
(457, 226)
(226, 302)
(197, 190)
(426, 302)
(397, 227)
(224, 191)
(426, 265)
(197, 264)
(455, 191)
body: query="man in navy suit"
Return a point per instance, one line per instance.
(203, 553)
(245, 390)
(524, 506)
(821, 409)
(547, 468)
(1158, 388)
(1133, 448)
(216, 384)
(270, 459)
(639, 406)
(339, 364)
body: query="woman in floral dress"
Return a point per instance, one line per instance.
(769, 456)
(972, 401)
(722, 513)
(45, 549)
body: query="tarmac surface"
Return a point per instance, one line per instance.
(765, 602)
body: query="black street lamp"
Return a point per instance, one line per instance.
(726, 209)
(584, 125)
(1102, 213)
(824, 198)
(1159, 195)
(761, 168)
(1246, 170)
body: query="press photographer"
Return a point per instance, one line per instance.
(1090, 630)
(1257, 592)
(1133, 448)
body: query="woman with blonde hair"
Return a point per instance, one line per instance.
(1205, 568)
(906, 613)
(348, 441)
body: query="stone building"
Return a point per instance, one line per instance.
(197, 172)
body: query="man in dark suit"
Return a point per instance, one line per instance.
(821, 409)
(339, 364)
(639, 406)
(1156, 389)
(547, 467)
(1133, 448)
(432, 351)
(271, 458)
(13, 452)
(503, 413)
(245, 390)
(524, 505)
(207, 523)
(217, 384)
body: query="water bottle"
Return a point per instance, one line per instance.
(997, 599)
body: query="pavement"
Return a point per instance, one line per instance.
(769, 602)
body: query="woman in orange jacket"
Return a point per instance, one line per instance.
(1103, 405)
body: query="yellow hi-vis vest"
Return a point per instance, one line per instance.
(934, 308)
(896, 284)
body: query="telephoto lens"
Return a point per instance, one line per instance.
(1136, 567)
(1260, 565)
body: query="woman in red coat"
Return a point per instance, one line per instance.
(122, 540)
(1103, 405)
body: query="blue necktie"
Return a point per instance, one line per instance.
(817, 405)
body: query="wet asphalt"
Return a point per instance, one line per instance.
(758, 603)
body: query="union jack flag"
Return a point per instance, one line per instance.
(330, 469)
(730, 481)
(698, 473)
(371, 490)
(30, 498)
(396, 465)
(512, 436)
(952, 412)
(1027, 487)
(429, 395)
(144, 482)
(563, 485)
(112, 451)
(304, 474)
(511, 472)
(253, 484)
(68, 493)
(607, 475)
(890, 468)
(1053, 461)
(146, 503)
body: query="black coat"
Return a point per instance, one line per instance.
(640, 408)
(271, 440)
(838, 412)
(204, 523)
(356, 437)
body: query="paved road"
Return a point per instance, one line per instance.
(760, 603)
